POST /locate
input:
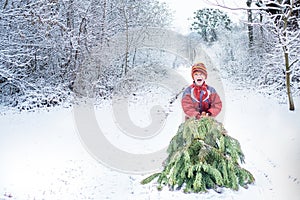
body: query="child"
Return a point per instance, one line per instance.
(199, 99)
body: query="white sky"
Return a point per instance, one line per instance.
(184, 10)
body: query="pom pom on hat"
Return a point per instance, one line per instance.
(199, 67)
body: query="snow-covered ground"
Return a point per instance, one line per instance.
(42, 155)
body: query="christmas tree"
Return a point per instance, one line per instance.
(202, 156)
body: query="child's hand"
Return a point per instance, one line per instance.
(204, 114)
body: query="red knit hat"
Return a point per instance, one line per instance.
(199, 67)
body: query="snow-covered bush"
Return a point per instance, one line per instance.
(144, 66)
(44, 43)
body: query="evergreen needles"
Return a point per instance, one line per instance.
(201, 157)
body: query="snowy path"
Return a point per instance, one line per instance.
(42, 156)
(269, 136)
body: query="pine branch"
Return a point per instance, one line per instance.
(150, 178)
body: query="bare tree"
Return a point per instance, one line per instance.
(281, 21)
(136, 14)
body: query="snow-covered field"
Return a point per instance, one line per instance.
(42, 155)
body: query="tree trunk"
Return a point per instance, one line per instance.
(288, 81)
(250, 23)
(261, 28)
(70, 15)
(125, 69)
(103, 24)
(287, 65)
(5, 4)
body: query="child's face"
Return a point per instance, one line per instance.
(199, 78)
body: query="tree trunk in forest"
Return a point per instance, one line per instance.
(5, 4)
(103, 27)
(70, 15)
(250, 23)
(287, 64)
(125, 69)
(288, 81)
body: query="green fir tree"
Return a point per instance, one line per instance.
(202, 156)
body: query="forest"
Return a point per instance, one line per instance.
(47, 48)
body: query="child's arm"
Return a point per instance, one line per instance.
(216, 104)
(188, 107)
